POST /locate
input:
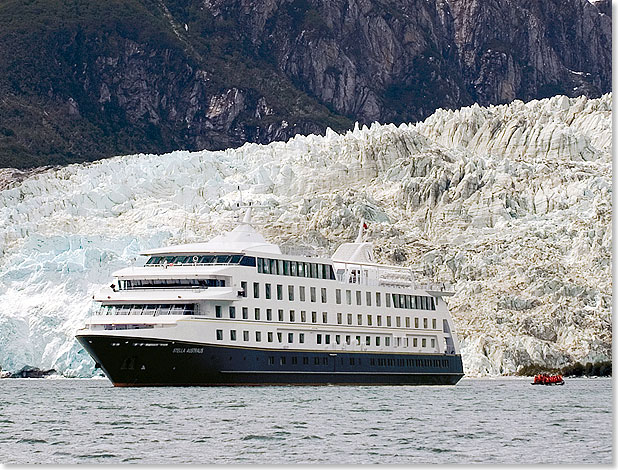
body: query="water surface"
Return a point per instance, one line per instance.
(477, 421)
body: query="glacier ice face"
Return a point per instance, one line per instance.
(512, 202)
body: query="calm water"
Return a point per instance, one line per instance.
(494, 421)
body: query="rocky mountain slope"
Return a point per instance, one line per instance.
(511, 202)
(82, 80)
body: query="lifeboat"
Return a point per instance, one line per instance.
(546, 379)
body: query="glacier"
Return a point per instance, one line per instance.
(511, 203)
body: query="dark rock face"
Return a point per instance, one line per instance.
(92, 80)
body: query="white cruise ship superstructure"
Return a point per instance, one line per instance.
(235, 310)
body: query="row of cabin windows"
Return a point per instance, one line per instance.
(201, 259)
(326, 339)
(421, 302)
(257, 314)
(313, 318)
(169, 283)
(400, 362)
(148, 309)
(279, 292)
(283, 267)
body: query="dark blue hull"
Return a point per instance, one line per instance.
(137, 362)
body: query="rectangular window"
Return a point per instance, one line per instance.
(425, 323)
(270, 336)
(314, 317)
(323, 294)
(416, 322)
(327, 339)
(219, 335)
(348, 339)
(368, 340)
(339, 319)
(424, 343)
(318, 339)
(301, 293)
(338, 339)
(271, 360)
(233, 335)
(415, 342)
(301, 337)
(388, 320)
(387, 341)
(290, 293)
(294, 360)
(294, 268)
(282, 361)
(359, 297)
(433, 303)
(279, 292)
(267, 292)
(433, 342)
(349, 318)
(245, 313)
(218, 311)
(232, 312)
(292, 316)
(407, 322)
(388, 300)
(258, 336)
(280, 267)
(348, 297)
(256, 314)
(286, 268)
(405, 342)
(434, 323)
(324, 317)
(243, 288)
(245, 336)
(359, 319)
(301, 269)
(398, 321)
(303, 316)
(369, 320)
(256, 290)
(280, 314)
(378, 299)
(338, 296)
(379, 320)
(290, 337)
(368, 299)
(312, 294)
(377, 341)
(358, 340)
(269, 314)
(279, 337)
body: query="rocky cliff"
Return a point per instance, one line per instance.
(83, 80)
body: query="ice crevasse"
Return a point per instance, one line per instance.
(512, 203)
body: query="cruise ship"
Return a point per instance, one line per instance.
(237, 311)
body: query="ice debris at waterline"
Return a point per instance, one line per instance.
(512, 202)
